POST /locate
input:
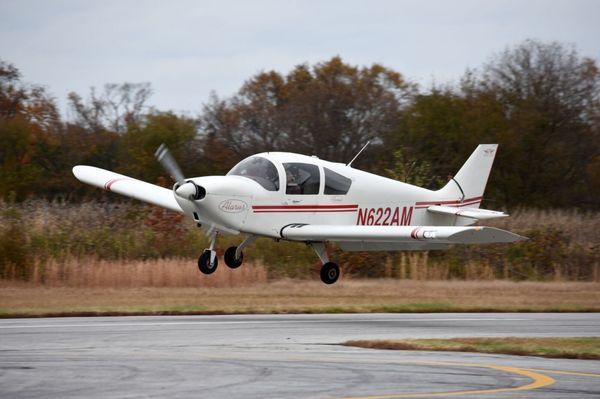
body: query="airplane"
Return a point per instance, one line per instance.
(293, 197)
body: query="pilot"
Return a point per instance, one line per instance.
(292, 186)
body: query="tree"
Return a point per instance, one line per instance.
(330, 110)
(539, 102)
(412, 171)
(140, 141)
(12, 92)
(114, 109)
(29, 123)
(549, 96)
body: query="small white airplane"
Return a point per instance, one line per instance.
(294, 197)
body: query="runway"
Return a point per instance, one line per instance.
(285, 356)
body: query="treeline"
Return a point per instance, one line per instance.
(539, 101)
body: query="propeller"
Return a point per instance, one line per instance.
(163, 155)
(183, 188)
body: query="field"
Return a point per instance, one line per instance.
(300, 296)
(125, 258)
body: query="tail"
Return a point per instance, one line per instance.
(469, 183)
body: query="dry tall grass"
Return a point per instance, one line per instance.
(176, 272)
(417, 266)
(580, 227)
(40, 239)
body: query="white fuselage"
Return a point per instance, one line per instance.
(237, 204)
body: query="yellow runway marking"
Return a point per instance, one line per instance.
(566, 372)
(539, 381)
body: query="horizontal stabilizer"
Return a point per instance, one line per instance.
(127, 186)
(473, 213)
(413, 234)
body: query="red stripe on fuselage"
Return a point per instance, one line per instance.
(277, 207)
(305, 210)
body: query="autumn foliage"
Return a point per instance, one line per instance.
(539, 101)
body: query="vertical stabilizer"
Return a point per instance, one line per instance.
(470, 181)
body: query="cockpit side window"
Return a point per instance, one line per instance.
(336, 184)
(259, 169)
(302, 178)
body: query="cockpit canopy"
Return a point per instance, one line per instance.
(259, 169)
(301, 178)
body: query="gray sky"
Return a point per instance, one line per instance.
(188, 48)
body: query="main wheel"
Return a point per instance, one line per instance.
(330, 272)
(230, 259)
(204, 263)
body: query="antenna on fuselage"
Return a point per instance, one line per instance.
(361, 150)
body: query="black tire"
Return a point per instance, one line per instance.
(330, 272)
(204, 263)
(230, 259)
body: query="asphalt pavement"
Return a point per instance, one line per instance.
(285, 356)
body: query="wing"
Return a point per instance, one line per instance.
(473, 213)
(127, 186)
(399, 234)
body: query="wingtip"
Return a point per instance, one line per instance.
(77, 170)
(516, 237)
(81, 171)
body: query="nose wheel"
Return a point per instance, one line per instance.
(208, 262)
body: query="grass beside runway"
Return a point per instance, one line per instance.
(302, 296)
(566, 348)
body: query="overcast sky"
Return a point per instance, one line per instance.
(185, 49)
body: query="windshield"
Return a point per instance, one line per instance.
(258, 169)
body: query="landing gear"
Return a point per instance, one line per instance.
(208, 262)
(330, 271)
(234, 255)
(231, 260)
